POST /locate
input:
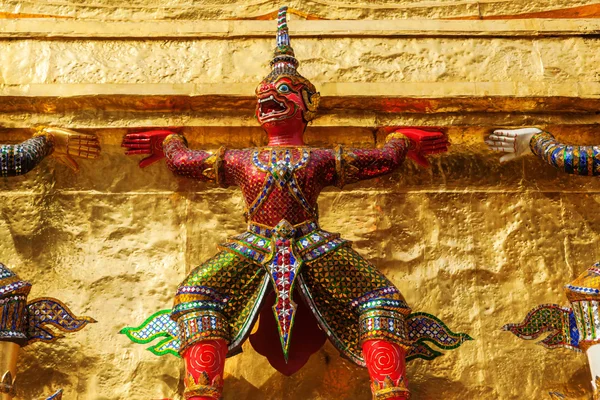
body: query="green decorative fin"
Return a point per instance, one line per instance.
(421, 350)
(158, 325)
(548, 318)
(422, 328)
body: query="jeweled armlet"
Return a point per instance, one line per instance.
(21, 158)
(577, 160)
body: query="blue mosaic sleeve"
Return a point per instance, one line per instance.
(19, 159)
(577, 160)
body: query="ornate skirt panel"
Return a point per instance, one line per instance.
(13, 319)
(354, 302)
(219, 299)
(584, 295)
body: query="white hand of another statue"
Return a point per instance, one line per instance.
(514, 142)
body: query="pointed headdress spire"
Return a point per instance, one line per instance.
(284, 60)
(284, 64)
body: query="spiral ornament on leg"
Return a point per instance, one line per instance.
(204, 364)
(387, 368)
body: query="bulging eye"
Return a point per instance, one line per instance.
(283, 88)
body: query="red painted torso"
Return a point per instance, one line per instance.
(283, 182)
(283, 185)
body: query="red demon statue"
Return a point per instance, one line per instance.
(307, 284)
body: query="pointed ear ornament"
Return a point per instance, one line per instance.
(312, 104)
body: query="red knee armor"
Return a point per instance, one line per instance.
(204, 365)
(387, 367)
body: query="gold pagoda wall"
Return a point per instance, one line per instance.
(472, 241)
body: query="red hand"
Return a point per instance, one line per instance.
(423, 143)
(146, 143)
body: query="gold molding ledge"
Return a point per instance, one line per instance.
(380, 90)
(100, 119)
(26, 28)
(329, 104)
(306, 9)
(343, 104)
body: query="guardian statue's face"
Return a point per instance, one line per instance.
(285, 102)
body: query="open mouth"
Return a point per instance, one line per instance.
(269, 107)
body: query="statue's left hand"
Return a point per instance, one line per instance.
(69, 144)
(424, 143)
(513, 142)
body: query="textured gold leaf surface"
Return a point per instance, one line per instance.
(472, 241)
(312, 9)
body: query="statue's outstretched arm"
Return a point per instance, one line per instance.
(358, 164)
(19, 159)
(578, 160)
(198, 164)
(64, 144)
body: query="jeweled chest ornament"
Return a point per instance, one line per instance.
(280, 165)
(280, 169)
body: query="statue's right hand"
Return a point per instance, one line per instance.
(150, 142)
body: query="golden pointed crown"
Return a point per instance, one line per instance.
(203, 386)
(7, 384)
(284, 62)
(283, 56)
(389, 388)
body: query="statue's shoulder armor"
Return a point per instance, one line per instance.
(344, 166)
(215, 167)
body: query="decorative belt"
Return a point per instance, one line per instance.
(299, 230)
(310, 241)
